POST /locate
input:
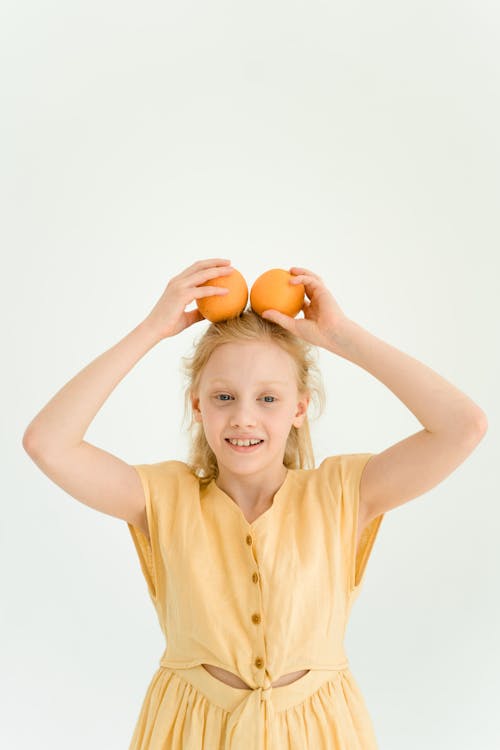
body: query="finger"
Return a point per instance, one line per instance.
(296, 269)
(308, 281)
(206, 263)
(285, 321)
(207, 291)
(193, 316)
(209, 273)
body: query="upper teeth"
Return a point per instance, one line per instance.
(243, 442)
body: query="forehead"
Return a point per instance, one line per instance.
(249, 363)
(227, 381)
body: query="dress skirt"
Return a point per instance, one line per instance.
(189, 709)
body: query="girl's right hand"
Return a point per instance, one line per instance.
(168, 316)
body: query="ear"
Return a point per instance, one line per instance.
(195, 405)
(301, 412)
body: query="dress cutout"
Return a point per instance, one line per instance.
(260, 600)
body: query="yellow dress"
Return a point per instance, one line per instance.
(259, 599)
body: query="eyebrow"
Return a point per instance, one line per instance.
(260, 382)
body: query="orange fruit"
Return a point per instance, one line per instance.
(272, 290)
(219, 307)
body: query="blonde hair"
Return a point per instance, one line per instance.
(249, 326)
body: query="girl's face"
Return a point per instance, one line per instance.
(249, 390)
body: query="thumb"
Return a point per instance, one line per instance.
(277, 317)
(194, 316)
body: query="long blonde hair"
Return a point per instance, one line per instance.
(249, 326)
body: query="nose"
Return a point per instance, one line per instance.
(243, 415)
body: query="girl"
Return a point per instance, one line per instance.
(253, 557)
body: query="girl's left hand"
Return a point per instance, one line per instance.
(323, 316)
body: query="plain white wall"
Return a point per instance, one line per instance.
(358, 140)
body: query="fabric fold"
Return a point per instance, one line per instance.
(252, 724)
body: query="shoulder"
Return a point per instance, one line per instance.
(345, 468)
(163, 475)
(340, 476)
(172, 467)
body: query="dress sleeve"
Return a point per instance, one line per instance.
(351, 469)
(148, 550)
(343, 473)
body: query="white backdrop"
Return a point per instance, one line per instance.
(359, 140)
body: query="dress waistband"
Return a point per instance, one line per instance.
(251, 721)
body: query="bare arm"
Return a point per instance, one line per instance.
(54, 439)
(65, 419)
(453, 424)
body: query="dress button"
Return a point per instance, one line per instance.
(255, 577)
(249, 539)
(256, 619)
(259, 662)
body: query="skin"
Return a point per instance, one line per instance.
(242, 406)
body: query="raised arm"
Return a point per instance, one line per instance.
(453, 424)
(54, 439)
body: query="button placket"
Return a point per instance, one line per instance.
(257, 620)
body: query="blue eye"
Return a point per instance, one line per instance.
(226, 394)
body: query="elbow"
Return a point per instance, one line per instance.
(478, 428)
(29, 442)
(485, 422)
(481, 423)
(483, 430)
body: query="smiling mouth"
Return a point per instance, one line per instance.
(244, 448)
